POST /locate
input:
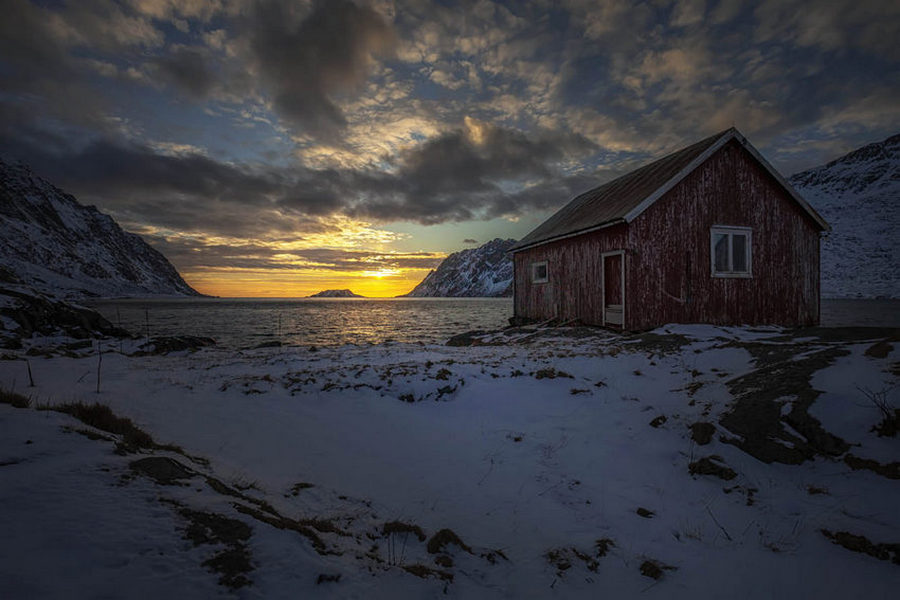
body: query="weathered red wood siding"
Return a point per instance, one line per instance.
(574, 270)
(667, 259)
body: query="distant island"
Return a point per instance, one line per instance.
(336, 294)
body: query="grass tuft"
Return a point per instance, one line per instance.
(102, 417)
(13, 399)
(401, 527)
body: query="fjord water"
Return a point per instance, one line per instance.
(248, 322)
(241, 323)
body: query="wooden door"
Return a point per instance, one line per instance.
(614, 288)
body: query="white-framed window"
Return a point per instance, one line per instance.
(731, 251)
(539, 273)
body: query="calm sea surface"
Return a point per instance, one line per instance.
(241, 323)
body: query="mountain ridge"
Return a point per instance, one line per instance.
(859, 195)
(61, 247)
(485, 271)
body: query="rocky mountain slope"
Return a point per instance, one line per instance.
(859, 195)
(482, 271)
(60, 247)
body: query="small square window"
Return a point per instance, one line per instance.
(539, 272)
(731, 251)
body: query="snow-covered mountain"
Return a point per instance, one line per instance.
(60, 247)
(859, 195)
(482, 271)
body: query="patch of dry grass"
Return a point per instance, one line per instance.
(14, 399)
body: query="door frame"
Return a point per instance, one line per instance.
(603, 257)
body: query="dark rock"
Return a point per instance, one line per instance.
(469, 338)
(272, 344)
(651, 569)
(702, 432)
(661, 419)
(38, 314)
(709, 466)
(177, 343)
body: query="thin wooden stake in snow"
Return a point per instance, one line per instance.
(147, 319)
(728, 537)
(119, 319)
(30, 378)
(99, 362)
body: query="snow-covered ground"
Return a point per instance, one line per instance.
(561, 461)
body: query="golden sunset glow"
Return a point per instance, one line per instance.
(300, 283)
(340, 253)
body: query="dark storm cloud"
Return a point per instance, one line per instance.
(464, 174)
(188, 70)
(470, 241)
(306, 59)
(28, 48)
(655, 75)
(202, 255)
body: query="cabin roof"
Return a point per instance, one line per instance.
(623, 199)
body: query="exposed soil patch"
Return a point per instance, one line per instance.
(162, 469)
(655, 569)
(232, 563)
(757, 413)
(859, 543)
(550, 373)
(280, 522)
(426, 572)
(602, 546)
(710, 465)
(879, 349)
(702, 432)
(659, 344)
(563, 559)
(842, 334)
(889, 470)
(444, 537)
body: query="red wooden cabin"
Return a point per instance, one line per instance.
(711, 233)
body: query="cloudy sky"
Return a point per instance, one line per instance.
(276, 148)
